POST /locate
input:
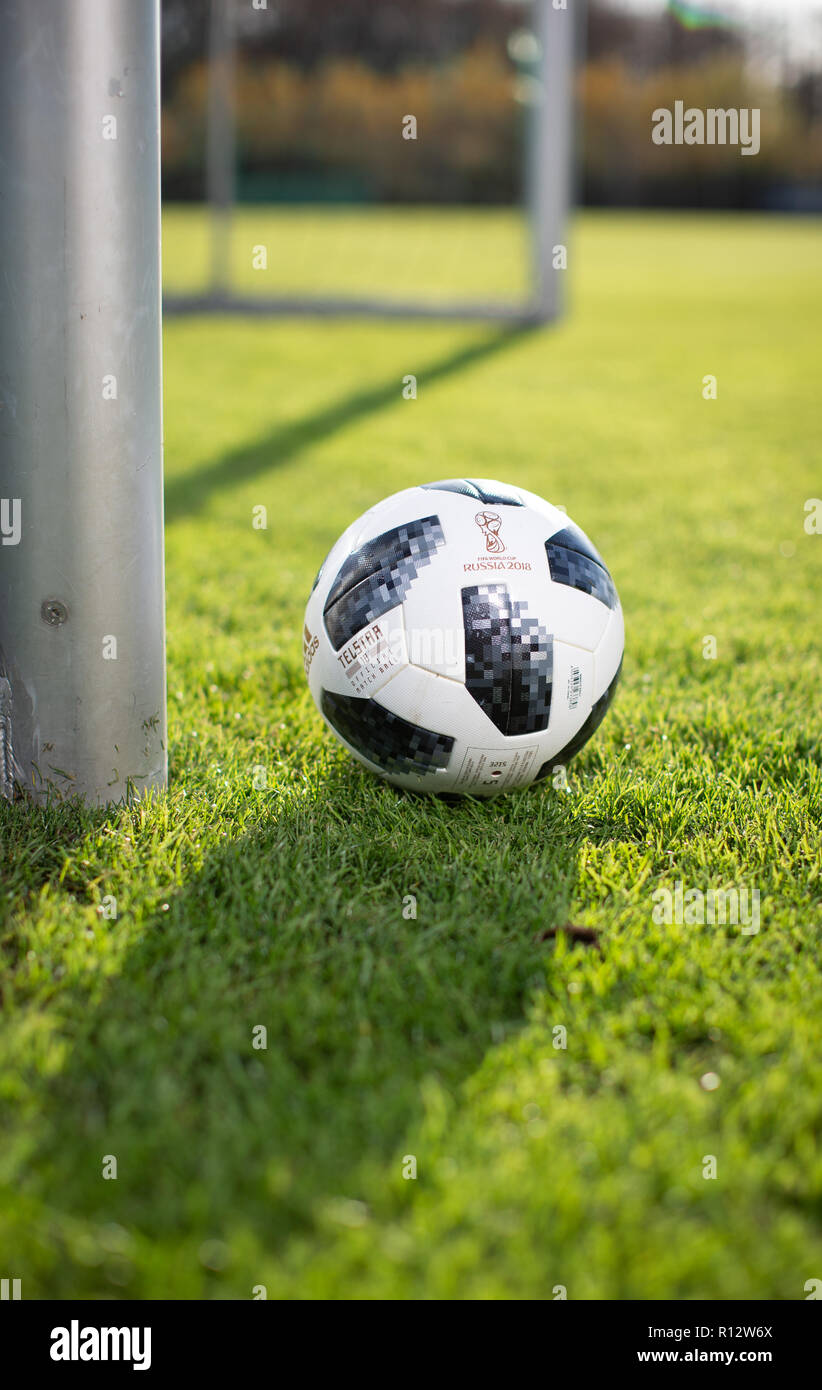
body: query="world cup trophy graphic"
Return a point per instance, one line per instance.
(489, 523)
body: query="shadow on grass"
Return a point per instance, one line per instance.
(298, 927)
(35, 839)
(186, 495)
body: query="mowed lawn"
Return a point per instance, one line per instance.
(266, 889)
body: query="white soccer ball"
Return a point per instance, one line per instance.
(463, 637)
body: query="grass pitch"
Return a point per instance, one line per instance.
(391, 1039)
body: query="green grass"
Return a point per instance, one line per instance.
(409, 254)
(536, 1166)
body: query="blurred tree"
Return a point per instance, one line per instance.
(321, 87)
(644, 42)
(384, 34)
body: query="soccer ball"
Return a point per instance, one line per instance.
(463, 637)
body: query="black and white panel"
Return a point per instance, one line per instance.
(385, 739)
(587, 731)
(573, 561)
(508, 660)
(479, 490)
(377, 577)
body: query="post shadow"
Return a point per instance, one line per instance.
(186, 495)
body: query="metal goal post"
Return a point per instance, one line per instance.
(82, 645)
(558, 28)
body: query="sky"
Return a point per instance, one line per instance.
(794, 8)
(798, 22)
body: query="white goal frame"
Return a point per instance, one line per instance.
(558, 26)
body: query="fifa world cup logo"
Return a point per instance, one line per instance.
(489, 523)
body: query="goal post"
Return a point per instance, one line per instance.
(557, 28)
(550, 160)
(82, 641)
